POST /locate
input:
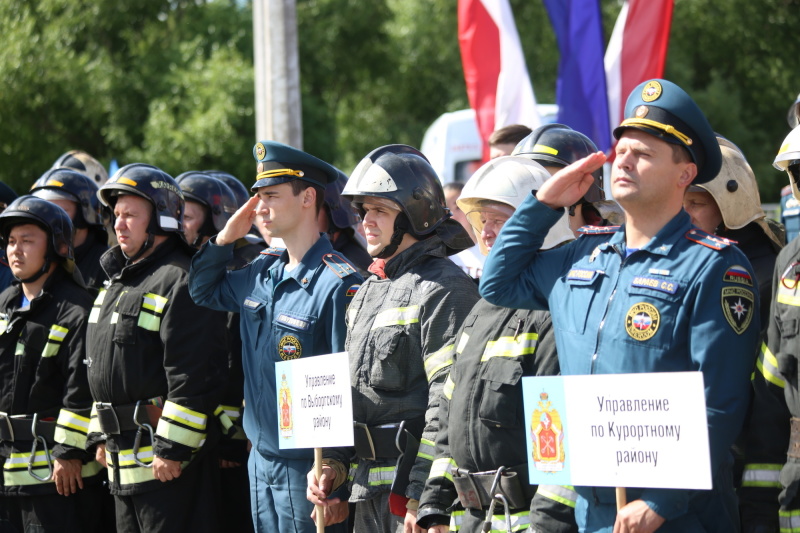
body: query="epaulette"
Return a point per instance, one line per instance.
(707, 239)
(597, 230)
(340, 266)
(274, 250)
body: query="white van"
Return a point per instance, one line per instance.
(454, 147)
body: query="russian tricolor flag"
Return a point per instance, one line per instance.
(581, 86)
(498, 85)
(637, 50)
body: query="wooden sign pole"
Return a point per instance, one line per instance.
(321, 509)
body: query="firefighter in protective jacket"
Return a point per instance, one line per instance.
(44, 395)
(402, 328)
(482, 430)
(769, 499)
(157, 364)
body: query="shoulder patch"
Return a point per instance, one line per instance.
(275, 250)
(340, 266)
(708, 240)
(598, 230)
(738, 274)
(352, 290)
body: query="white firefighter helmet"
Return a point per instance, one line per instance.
(788, 159)
(504, 183)
(735, 190)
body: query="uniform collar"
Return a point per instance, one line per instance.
(304, 272)
(414, 254)
(663, 241)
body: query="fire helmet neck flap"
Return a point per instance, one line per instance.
(735, 191)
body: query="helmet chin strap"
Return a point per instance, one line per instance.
(45, 268)
(391, 248)
(401, 227)
(148, 243)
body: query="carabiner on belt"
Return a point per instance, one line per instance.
(36, 440)
(497, 496)
(137, 440)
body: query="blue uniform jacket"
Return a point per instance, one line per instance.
(281, 319)
(684, 302)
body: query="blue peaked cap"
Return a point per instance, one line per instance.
(662, 109)
(279, 163)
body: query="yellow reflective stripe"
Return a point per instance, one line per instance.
(352, 471)
(125, 457)
(223, 418)
(19, 349)
(233, 412)
(397, 316)
(787, 296)
(3, 326)
(179, 434)
(383, 475)
(520, 521)
(456, 520)
(462, 343)
(129, 472)
(449, 387)
(149, 322)
(152, 309)
(154, 302)
(789, 521)
(523, 344)
(443, 467)
(438, 360)
(57, 333)
(426, 449)
(23, 458)
(55, 338)
(71, 429)
(767, 364)
(94, 422)
(187, 417)
(762, 475)
(94, 314)
(561, 494)
(114, 317)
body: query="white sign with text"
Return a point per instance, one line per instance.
(618, 430)
(315, 407)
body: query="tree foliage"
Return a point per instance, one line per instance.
(170, 82)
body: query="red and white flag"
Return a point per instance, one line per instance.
(637, 50)
(498, 85)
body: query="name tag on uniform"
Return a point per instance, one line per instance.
(670, 287)
(251, 304)
(577, 274)
(293, 321)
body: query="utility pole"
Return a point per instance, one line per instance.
(277, 72)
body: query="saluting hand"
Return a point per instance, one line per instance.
(239, 224)
(569, 184)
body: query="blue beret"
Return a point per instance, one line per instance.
(662, 109)
(279, 163)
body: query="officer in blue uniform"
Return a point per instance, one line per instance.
(292, 303)
(655, 295)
